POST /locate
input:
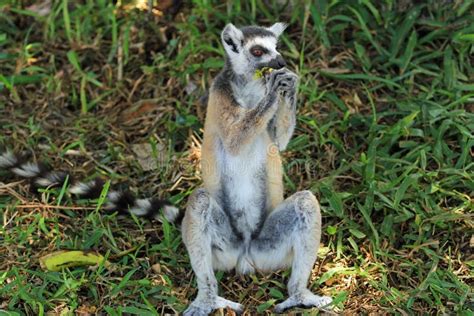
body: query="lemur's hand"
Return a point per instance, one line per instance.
(289, 82)
(281, 82)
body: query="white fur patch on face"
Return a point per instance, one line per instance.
(244, 63)
(240, 64)
(267, 42)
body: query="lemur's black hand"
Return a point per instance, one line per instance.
(288, 82)
(281, 80)
(278, 82)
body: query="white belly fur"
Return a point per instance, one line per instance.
(245, 186)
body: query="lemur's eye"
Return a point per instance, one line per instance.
(257, 52)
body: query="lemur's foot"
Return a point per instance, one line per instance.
(304, 299)
(202, 307)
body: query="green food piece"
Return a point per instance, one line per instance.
(259, 73)
(65, 259)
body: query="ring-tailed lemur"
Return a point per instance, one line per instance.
(239, 218)
(42, 176)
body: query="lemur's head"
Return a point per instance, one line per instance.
(252, 47)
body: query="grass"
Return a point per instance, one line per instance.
(384, 139)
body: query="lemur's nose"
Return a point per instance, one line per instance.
(276, 63)
(280, 62)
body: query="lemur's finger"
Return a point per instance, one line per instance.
(283, 81)
(277, 78)
(274, 75)
(288, 82)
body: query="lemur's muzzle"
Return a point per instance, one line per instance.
(276, 63)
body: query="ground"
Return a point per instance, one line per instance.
(384, 139)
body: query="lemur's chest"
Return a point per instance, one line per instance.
(244, 186)
(250, 94)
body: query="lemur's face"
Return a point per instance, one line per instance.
(253, 47)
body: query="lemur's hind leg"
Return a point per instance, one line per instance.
(290, 236)
(206, 230)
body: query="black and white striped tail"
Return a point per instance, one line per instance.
(38, 174)
(123, 202)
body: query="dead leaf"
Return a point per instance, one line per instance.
(145, 156)
(42, 9)
(190, 87)
(335, 70)
(156, 268)
(86, 310)
(357, 100)
(138, 111)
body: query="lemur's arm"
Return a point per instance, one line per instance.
(239, 126)
(282, 124)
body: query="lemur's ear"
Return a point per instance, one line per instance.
(277, 28)
(232, 38)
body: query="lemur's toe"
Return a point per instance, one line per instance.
(202, 308)
(236, 307)
(196, 311)
(304, 300)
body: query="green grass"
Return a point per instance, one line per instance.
(384, 139)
